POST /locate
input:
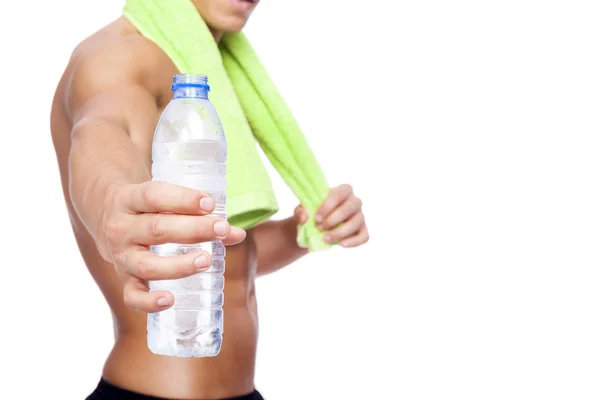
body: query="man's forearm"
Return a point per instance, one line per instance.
(276, 245)
(102, 155)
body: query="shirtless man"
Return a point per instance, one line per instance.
(104, 113)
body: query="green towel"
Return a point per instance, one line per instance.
(250, 108)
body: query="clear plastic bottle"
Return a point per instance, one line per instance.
(189, 149)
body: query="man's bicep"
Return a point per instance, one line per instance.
(102, 92)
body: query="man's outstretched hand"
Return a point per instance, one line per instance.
(137, 216)
(341, 214)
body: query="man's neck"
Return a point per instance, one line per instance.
(216, 34)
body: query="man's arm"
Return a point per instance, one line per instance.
(113, 119)
(340, 218)
(276, 244)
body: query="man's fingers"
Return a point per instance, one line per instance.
(361, 237)
(335, 198)
(137, 297)
(147, 266)
(300, 214)
(156, 197)
(236, 235)
(346, 230)
(172, 228)
(348, 208)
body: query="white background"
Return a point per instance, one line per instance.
(471, 131)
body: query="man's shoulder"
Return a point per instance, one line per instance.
(113, 58)
(116, 50)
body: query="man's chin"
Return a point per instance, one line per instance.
(231, 24)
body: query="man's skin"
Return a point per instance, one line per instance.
(104, 113)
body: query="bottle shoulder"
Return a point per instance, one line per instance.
(189, 119)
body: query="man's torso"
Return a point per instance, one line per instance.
(131, 365)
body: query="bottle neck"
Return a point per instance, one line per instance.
(190, 86)
(189, 92)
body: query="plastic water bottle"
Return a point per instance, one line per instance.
(189, 149)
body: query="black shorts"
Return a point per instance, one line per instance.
(106, 391)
